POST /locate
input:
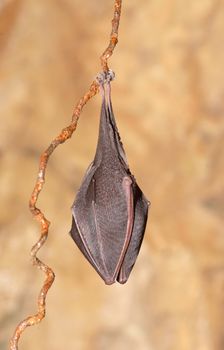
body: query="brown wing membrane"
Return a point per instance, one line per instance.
(140, 219)
(110, 210)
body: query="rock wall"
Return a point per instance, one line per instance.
(168, 100)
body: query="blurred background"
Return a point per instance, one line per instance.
(168, 100)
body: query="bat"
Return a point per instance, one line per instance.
(110, 211)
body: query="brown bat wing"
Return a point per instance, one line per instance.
(141, 206)
(110, 210)
(102, 223)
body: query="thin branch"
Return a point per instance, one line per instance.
(65, 134)
(113, 36)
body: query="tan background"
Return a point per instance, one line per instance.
(168, 98)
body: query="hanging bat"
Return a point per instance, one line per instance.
(110, 211)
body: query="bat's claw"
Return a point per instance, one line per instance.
(105, 77)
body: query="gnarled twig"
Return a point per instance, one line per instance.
(65, 134)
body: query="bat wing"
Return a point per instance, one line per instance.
(141, 205)
(110, 210)
(84, 229)
(102, 223)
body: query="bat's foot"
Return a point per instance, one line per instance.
(105, 77)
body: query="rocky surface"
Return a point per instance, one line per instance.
(168, 99)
